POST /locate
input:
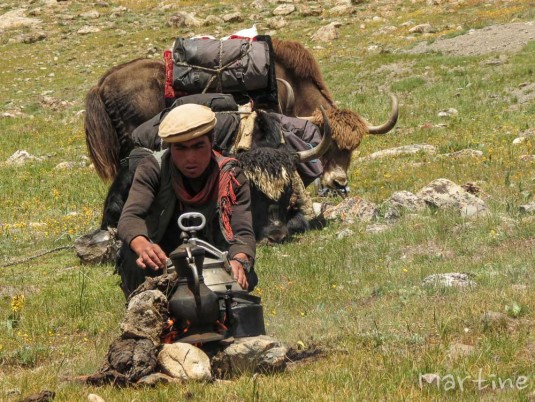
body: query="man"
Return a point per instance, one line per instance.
(188, 176)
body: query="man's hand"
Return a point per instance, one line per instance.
(150, 255)
(239, 274)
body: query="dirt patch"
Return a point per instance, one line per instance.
(506, 38)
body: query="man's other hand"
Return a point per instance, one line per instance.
(150, 255)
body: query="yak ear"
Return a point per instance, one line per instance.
(323, 146)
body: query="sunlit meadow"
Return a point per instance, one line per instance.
(358, 298)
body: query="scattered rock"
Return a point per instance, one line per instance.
(401, 202)
(284, 9)
(87, 29)
(344, 233)
(156, 378)
(184, 361)
(527, 208)
(16, 19)
(377, 228)
(276, 23)
(403, 150)
(90, 15)
(519, 140)
(253, 354)
(98, 247)
(183, 19)
(29, 38)
(454, 279)
(351, 209)
(451, 112)
(342, 9)
(443, 193)
(465, 153)
(95, 398)
(213, 20)
(506, 38)
(233, 17)
(422, 28)
(20, 157)
(310, 10)
(527, 158)
(326, 33)
(145, 315)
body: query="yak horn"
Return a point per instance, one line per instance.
(290, 99)
(321, 148)
(390, 123)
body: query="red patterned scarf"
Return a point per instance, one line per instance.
(218, 185)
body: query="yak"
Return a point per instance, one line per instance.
(277, 191)
(131, 93)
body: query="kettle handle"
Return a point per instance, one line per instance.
(188, 215)
(193, 268)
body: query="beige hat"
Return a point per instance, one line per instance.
(185, 122)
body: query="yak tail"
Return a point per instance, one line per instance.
(101, 137)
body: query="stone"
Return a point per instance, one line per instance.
(377, 228)
(454, 279)
(401, 202)
(95, 398)
(20, 157)
(326, 33)
(145, 315)
(276, 23)
(184, 19)
(451, 112)
(421, 28)
(87, 29)
(527, 208)
(403, 150)
(233, 17)
(15, 19)
(98, 247)
(213, 20)
(344, 233)
(443, 193)
(184, 361)
(284, 9)
(251, 354)
(90, 15)
(466, 153)
(351, 209)
(156, 378)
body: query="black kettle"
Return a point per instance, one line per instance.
(193, 305)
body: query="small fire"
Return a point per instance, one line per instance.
(170, 333)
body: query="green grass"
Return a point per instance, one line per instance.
(360, 298)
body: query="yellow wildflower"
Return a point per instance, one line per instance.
(17, 303)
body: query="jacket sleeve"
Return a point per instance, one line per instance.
(140, 198)
(241, 220)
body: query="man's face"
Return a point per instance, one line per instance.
(192, 157)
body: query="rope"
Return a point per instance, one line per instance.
(216, 71)
(32, 257)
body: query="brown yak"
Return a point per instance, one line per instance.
(131, 93)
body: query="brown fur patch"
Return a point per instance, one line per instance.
(295, 58)
(348, 128)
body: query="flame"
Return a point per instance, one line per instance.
(221, 326)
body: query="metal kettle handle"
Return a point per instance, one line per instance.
(188, 215)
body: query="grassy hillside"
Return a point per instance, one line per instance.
(360, 297)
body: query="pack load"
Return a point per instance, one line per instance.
(239, 65)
